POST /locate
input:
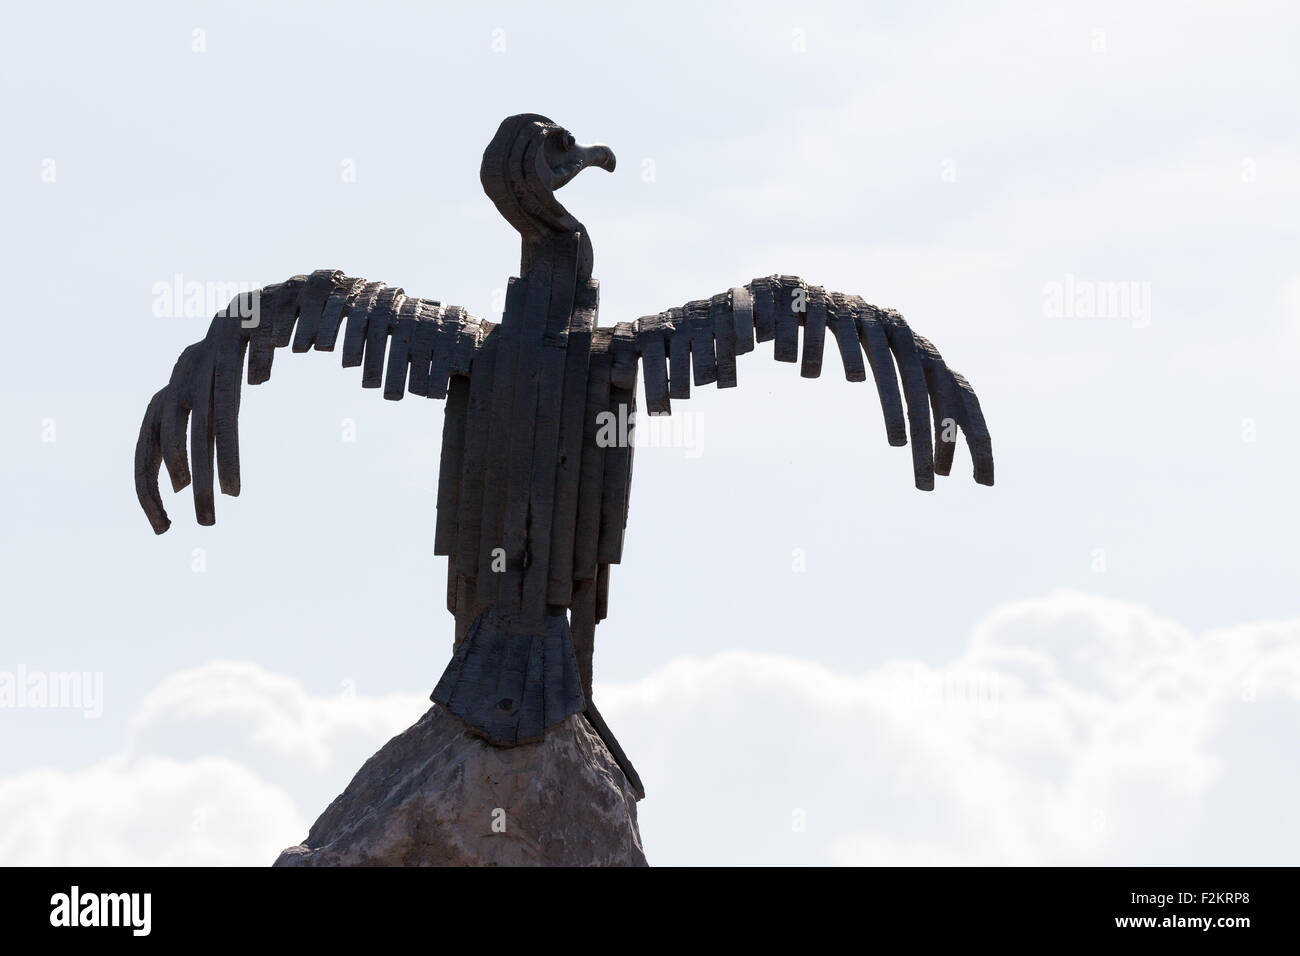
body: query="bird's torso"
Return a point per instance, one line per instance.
(532, 498)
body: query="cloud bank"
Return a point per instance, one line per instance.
(1072, 729)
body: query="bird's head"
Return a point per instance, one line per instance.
(527, 161)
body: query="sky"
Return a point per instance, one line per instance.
(1090, 210)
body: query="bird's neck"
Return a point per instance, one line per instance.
(559, 252)
(554, 290)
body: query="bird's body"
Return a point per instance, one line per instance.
(531, 507)
(532, 501)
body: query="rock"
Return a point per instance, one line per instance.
(436, 795)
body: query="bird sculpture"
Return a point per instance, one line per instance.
(532, 499)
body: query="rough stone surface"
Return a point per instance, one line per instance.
(430, 795)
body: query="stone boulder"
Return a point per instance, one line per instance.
(436, 795)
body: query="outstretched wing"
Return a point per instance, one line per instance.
(705, 336)
(429, 343)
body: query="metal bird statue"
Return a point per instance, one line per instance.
(531, 505)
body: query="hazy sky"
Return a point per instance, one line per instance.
(1094, 661)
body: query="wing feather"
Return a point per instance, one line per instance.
(919, 394)
(200, 404)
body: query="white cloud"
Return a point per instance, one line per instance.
(226, 764)
(262, 716)
(151, 811)
(1073, 729)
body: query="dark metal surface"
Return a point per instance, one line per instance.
(532, 506)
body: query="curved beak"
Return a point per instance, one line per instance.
(579, 158)
(600, 155)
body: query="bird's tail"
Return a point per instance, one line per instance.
(598, 722)
(512, 687)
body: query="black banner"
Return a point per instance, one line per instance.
(971, 906)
